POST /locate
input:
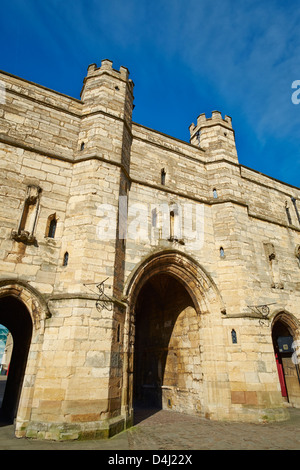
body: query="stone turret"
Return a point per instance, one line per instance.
(101, 175)
(215, 135)
(107, 95)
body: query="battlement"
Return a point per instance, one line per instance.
(216, 118)
(107, 67)
(215, 135)
(108, 90)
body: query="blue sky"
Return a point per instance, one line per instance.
(186, 57)
(3, 336)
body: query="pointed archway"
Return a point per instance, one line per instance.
(167, 362)
(168, 294)
(24, 311)
(285, 333)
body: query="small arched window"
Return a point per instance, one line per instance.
(163, 176)
(215, 194)
(82, 146)
(233, 337)
(222, 252)
(66, 259)
(51, 226)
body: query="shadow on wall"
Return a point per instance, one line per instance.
(164, 321)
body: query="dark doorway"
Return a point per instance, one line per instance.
(164, 319)
(288, 371)
(16, 318)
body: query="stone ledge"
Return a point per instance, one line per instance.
(75, 431)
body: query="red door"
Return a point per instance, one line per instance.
(281, 375)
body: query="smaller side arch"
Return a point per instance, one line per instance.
(285, 335)
(33, 300)
(20, 301)
(291, 322)
(16, 318)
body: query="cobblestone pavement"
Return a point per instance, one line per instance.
(166, 430)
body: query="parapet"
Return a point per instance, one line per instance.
(107, 66)
(215, 135)
(95, 75)
(215, 119)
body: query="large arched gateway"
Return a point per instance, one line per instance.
(171, 303)
(167, 359)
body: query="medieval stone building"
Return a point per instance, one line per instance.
(138, 268)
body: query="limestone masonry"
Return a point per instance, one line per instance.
(138, 269)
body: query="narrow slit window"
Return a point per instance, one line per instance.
(163, 176)
(222, 252)
(66, 259)
(233, 337)
(51, 226)
(215, 194)
(82, 146)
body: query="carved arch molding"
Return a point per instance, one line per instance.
(196, 280)
(30, 297)
(289, 320)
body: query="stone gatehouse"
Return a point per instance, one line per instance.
(138, 269)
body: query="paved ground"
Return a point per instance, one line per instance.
(166, 430)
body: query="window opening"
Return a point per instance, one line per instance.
(163, 176)
(215, 193)
(222, 252)
(233, 337)
(51, 226)
(66, 259)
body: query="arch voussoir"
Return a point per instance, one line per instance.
(32, 299)
(199, 284)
